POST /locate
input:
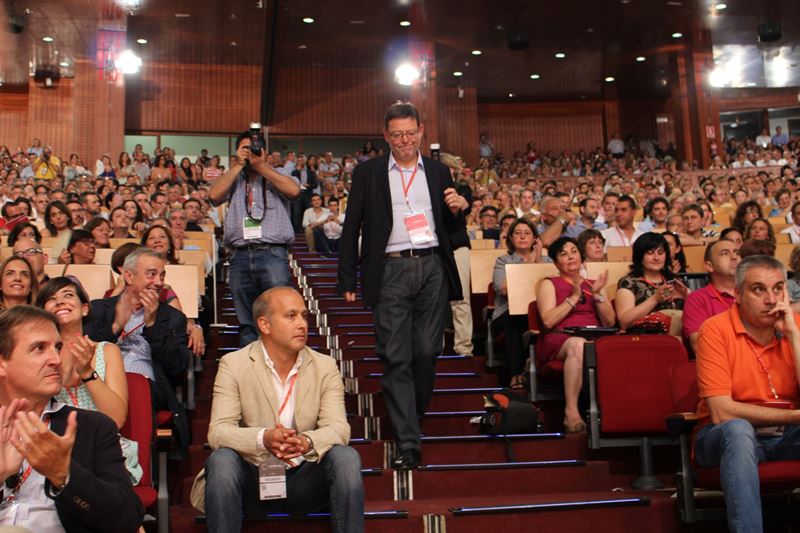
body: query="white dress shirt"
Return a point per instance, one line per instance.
(286, 417)
(616, 237)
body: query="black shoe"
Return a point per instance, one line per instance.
(407, 460)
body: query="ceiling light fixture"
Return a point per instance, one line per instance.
(677, 35)
(63, 64)
(512, 95)
(405, 23)
(183, 15)
(406, 74)
(302, 47)
(308, 20)
(128, 63)
(609, 79)
(476, 52)
(720, 6)
(458, 73)
(560, 55)
(47, 39)
(640, 59)
(535, 76)
(141, 41)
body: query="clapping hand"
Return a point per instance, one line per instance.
(10, 458)
(46, 452)
(600, 283)
(149, 300)
(82, 349)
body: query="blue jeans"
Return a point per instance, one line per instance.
(251, 273)
(334, 483)
(735, 448)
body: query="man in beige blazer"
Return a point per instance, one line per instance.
(277, 396)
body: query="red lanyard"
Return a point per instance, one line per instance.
(719, 296)
(73, 395)
(580, 285)
(623, 237)
(129, 333)
(288, 395)
(645, 280)
(410, 181)
(762, 365)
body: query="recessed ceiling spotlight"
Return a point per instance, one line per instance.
(560, 55)
(308, 20)
(476, 52)
(624, 1)
(589, 30)
(677, 35)
(609, 79)
(641, 59)
(512, 95)
(234, 43)
(302, 47)
(63, 64)
(405, 23)
(535, 76)
(720, 6)
(141, 41)
(458, 73)
(356, 22)
(47, 39)
(183, 15)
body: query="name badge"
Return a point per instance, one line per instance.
(251, 229)
(272, 478)
(419, 231)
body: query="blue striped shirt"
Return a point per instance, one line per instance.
(276, 225)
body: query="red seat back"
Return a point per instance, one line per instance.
(139, 424)
(683, 387)
(490, 295)
(633, 388)
(534, 321)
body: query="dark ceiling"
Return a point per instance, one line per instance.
(599, 37)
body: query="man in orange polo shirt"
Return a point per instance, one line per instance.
(745, 359)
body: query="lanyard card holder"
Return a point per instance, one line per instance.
(272, 478)
(419, 231)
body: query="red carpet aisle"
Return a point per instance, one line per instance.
(466, 483)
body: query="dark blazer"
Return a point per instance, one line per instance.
(99, 495)
(167, 337)
(369, 210)
(311, 180)
(168, 350)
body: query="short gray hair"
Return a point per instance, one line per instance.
(134, 256)
(757, 261)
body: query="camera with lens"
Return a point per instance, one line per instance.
(256, 146)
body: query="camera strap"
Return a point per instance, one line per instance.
(249, 200)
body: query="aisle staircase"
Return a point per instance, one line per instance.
(467, 483)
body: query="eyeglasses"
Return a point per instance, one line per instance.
(29, 252)
(400, 134)
(88, 242)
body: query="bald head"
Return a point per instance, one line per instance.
(551, 208)
(266, 303)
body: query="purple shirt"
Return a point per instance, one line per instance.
(701, 305)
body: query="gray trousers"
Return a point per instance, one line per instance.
(409, 326)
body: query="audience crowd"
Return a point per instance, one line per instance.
(564, 208)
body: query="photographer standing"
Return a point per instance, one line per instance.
(46, 166)
(257, 226)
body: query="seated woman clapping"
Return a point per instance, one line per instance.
(569, 300)
(93, 375)
(524, 246)
(650, 298)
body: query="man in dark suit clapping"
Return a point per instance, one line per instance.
(404, 205)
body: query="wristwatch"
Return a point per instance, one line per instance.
(310, 444)
(563, 223)
(93, 376)
(599, 298)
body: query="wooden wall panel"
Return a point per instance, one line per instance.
(328, 101)
(757, 98)
(665, 127)
(50, 115)
(193, 98)
(14, 120)
(511, 129)
(458, 123)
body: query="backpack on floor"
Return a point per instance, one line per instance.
(508, 413)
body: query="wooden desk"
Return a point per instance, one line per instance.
(481, 265)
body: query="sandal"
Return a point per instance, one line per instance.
(519, 382)
(577, 427)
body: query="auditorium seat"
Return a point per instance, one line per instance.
(629, 394)
(774, 476)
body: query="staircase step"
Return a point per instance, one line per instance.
(546, 477)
